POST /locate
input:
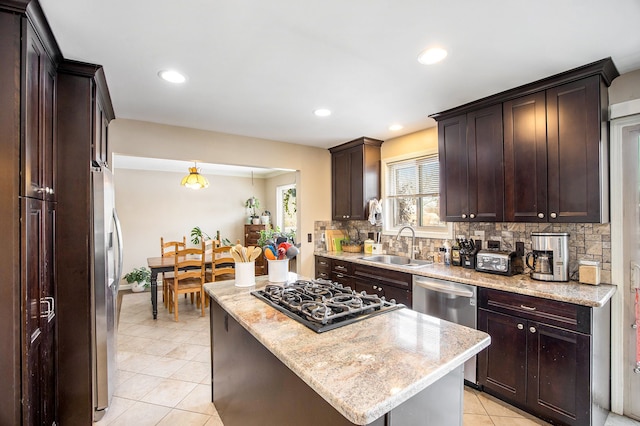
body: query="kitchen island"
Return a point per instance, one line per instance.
(397, 368)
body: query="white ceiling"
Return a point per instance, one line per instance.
(179, 166)
(259, 68)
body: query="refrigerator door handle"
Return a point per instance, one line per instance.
(116, 221)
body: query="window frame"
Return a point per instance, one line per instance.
(387, 226)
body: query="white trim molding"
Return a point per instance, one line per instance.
(620, 115)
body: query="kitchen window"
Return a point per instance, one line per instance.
(412, 192)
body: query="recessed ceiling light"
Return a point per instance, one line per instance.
(172, 76)
(395, 127)
(322, 112)
(432, 55)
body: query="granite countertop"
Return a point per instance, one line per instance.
(364, 369)
(572, 292)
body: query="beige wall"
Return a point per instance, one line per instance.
(130, 137)
(153, 204)
(625, 88)
(422, 140)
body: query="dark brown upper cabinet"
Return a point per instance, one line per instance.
(355, 177)
(472, 176)
(553, 157)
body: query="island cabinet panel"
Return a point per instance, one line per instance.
(250, 386)
(355, 177)
(471, 167)
(384, 283)
(545, 356)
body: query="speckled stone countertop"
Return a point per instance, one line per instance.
(364, 369)
(572, 292)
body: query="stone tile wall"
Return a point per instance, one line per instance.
(587, 241)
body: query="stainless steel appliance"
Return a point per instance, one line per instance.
(549, 258)
(107, 269)
(499, 262)
(323, 305)
(450, 301)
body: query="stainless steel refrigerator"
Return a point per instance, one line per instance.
(107, 269)
(88, 268)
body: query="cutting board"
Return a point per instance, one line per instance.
(330, 235)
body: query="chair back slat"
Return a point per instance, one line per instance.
(169, 248)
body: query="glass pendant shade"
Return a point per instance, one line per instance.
(194, 180)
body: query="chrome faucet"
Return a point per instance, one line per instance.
(412, 254)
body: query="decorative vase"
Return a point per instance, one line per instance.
(265, 220)
(138, 286)
(255, 221)
(278, 271)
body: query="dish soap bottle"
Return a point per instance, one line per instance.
(447, 253)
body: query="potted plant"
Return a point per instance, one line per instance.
(254, 204)
(198, 235)
(139, 279)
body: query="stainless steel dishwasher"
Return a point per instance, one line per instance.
(450, 301)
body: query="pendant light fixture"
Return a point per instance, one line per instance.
(194, 180)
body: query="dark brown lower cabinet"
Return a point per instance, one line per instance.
(549, 358)
(379, 281)
(384, 282)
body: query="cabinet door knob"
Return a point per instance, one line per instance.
(464, 216)
(472, 216)
(375, 287)
(532, 329)
(520, 327)
(541, 215)
(553, 215)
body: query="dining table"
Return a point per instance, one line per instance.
(164, 264)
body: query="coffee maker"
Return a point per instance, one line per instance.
(549, 259)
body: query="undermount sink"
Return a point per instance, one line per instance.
(391, 259)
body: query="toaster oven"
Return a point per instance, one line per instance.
(499, 262)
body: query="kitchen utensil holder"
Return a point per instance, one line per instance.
(245, 274)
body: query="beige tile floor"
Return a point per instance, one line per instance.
(164, 374)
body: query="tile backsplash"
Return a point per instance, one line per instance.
(587, 241)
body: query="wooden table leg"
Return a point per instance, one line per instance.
(154, 293)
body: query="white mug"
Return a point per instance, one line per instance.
(376, 248)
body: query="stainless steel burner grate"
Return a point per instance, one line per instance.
(323, 305)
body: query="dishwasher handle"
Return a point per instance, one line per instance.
(443, 288)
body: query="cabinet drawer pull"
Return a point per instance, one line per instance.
(520, 327)
(528, 308)
(532, 329)
(339, 276)
(341, 268)
(323, 263)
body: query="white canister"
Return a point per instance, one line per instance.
(376, 248)
(245, 274)
(278, 270)
(368, 244)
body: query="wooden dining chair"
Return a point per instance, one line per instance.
(222, 267)
(169, 249)
(208, 247)
(188, 278)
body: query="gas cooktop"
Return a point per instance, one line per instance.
(323, 305)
